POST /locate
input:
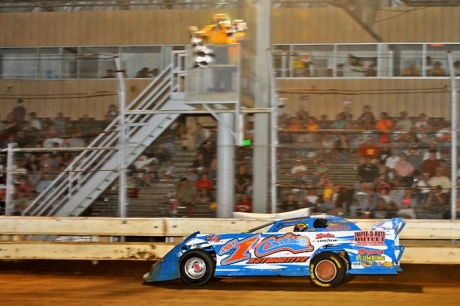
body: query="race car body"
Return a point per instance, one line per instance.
(329, 249)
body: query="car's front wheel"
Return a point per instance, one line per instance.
(327, 270)
(197, 267)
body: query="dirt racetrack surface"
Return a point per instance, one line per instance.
(120, 283)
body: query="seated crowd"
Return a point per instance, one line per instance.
(401, 169)
(33, 171)
(402, 164)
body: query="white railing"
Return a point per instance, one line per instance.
(433, 242)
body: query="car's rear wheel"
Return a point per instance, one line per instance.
(197, 267)
(327, 270)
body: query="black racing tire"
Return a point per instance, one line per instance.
(327, 270)
(348, 277)
(197, 267)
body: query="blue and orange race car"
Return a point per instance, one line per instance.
(331, 250)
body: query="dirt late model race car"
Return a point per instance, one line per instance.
(330, 250)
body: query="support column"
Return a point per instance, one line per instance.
(225, 166)
(261, 164)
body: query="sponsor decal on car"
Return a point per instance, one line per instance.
(271, 260)
(366, 255)
(238, 250)
(370, 238)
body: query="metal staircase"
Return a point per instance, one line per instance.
(97, 167)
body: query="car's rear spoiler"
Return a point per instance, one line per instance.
(396, 224)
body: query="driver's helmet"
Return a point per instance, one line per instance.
(300, 227)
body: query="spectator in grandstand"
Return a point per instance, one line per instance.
(242, 180)
(384, 125)
(437, 70)
(366, 114)
(23, 186)
(339, 200)
(307, 141)
(33, 175)
(191, 174)
(142, 73)
(381, 210)
(407, 211)
(403, 124)
(397, 192)
(404, 170)
(60, 123)
(422, 186)
(76, 141)
(48, 162)
(312, 199)
(367, 126)
(150, 176)
(51, 135)
(200, 135)
(167, 171)
(325, 191)
(33, 125)
(408, 198)
(457, 68)
(440, 180)
(204, 186)
(209, 150)
(382, 183)
(339, 122)
(242, 156)
(431, 148)
(104, 123)
(415, 158)
(20, 203)
(421, 122)
(212, 171)
(411, 71)
(294, 125)
(346, 113)
(10, 126)
(435, 204)
(19, 113)
(25, 141)
(368, 148)
(426, 135)
(363, 202)
(168, 139)
(113, 111)
(384, 193)
(301, 114)
(443, 138)
(186, 196)
(299, 172)
(384, 153)
(244, 204)
(327, 146)
(44, 182)
(324, 123)
(289, 204)
(199, 163)
(341, 152)
(368, 172)
(87, 127)
(319, 169)
(431, 164)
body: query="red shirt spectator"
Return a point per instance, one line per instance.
(204, 182)
(369, 148)
(244, 205)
